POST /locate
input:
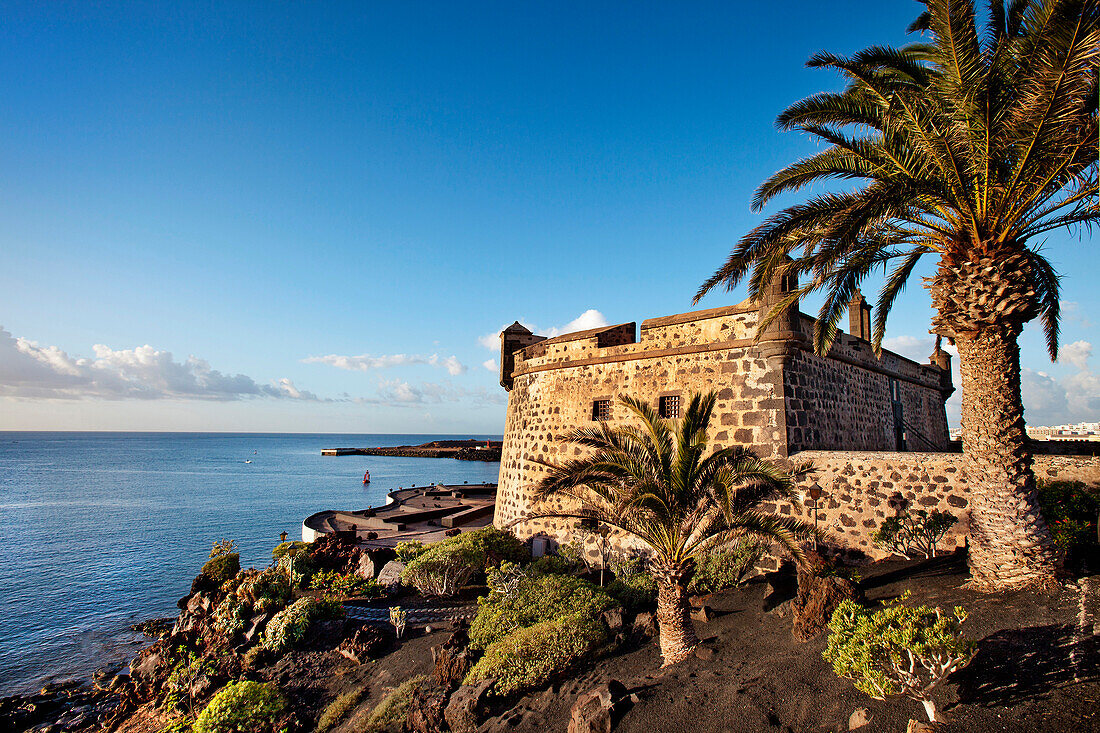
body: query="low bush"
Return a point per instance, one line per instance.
(897, 650)
(1070, 510)
(298, 568)
(556, 565)
(289, 626)
(223, 567)
(339, 708)
(248, 594)
(409, 551)
(285, 548)
(346, 584)
(244, 707)
(912, 532)
(389, 715)
(222, 548)
(443, 569)
(536, 598)
(635, 593)
(530, 657)
(726, 567)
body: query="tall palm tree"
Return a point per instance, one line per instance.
(656, 482)
(965, 147)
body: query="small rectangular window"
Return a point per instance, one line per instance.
(669, 406)
(601, 410)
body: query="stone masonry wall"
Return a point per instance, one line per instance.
(844, 401)
(670, 357)
(858, 486)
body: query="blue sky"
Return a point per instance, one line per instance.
(209, 209)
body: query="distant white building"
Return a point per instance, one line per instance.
(1080, 431)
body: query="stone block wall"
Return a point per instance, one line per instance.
(859, 484)
(556, 381)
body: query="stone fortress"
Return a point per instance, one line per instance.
(873, 427)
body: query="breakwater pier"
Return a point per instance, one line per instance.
(463, 450)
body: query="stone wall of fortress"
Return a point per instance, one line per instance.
(778, 400)
(858, 486)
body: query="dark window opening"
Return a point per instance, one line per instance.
(601, 410)
(669, 406)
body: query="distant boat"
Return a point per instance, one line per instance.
(366, 477)
(248, 461)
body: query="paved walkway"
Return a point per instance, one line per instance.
(416, 615)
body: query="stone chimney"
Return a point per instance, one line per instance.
(512, 339)
(859, 317)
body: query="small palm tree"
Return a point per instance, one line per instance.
(654, 481)
(965, 149)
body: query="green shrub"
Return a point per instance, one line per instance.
(536, 598)
(912, 532)
(289, 626)
(339, 708)
(897, 650)
(444, 568)
(726, 567)
(222, 568)
(530, 657)
(556, 565)
(635, 594)
(389, 715)
(409, 551)
(284, 548)
(346, 584)
(298, 568)
(244, 707)
(1070, 510)
(247, 594)
(221, 548)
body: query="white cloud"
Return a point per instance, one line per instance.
(1077, 353)
(1072, 312)
(400, 393)
(366, 362)
(591, 318)
(490, 364)
(31, 371)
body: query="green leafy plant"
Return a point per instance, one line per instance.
(248, 594)
(288, 548)
(187, 668)
(389, 715)
(536, 598)
(726, 567)
(531, 656)
(444, 568)
(1071, 510)
(410, 550)
(339, 708)
(222, 568)
(898, 650)
(556, 564)
(398, 618)
(656, 481)
(221, 548)
(346, 584)
(244, 707)
(910, 532)
(297, 567)
(289, 626)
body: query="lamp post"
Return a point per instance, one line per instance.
(282, 537)
(815, 493)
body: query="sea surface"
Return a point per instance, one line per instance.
(99, 531)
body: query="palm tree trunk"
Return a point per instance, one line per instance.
(1010, 544)
(676, 634)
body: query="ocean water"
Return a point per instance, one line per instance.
(99, 531)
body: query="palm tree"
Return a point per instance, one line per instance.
(654, 481)
(965, 148)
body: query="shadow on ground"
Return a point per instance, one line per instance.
(1020, 664)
